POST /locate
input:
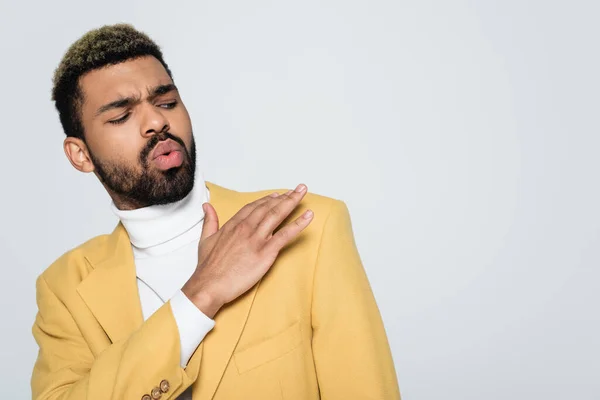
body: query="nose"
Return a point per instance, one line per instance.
(154, 121)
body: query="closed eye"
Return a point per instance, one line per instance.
(120, 120)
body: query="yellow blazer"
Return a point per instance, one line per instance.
(309, 329)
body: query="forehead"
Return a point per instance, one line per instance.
(132, 77)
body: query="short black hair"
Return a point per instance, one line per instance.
(108, 45)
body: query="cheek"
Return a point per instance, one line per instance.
(181, 125)
(116, 144)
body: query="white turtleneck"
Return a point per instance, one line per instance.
(165, 241)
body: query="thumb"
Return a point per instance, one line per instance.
(211, 221)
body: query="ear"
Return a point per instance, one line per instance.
(78, 154)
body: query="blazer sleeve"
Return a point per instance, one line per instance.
(66, 369)
(350, 347)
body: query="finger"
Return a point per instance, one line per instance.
(210, 226)
(289, 232)
(248, 208)
(271, 214)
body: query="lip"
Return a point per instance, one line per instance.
(165, 147)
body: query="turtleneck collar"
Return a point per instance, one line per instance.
(158, 229)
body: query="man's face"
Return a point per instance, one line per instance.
(138, 133)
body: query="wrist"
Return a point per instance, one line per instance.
(204, 299)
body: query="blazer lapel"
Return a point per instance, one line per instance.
(110, 291)
(218, 346)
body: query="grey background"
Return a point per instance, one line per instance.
(463, 135)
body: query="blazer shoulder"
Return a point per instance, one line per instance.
(68, 270)
(318, 203)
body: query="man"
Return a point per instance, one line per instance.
(200, 291)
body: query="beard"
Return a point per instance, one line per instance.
(149, 186)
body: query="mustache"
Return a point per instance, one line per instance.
(154, 140)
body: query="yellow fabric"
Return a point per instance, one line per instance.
(309, 329)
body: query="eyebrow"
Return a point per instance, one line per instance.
(130, 100)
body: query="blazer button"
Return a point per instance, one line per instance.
(146, 397)
(156, 393)
(165, 386)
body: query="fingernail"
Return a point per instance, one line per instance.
(307, 214)
(300, 188)
(275, 194)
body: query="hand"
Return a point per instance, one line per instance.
(235, 257)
